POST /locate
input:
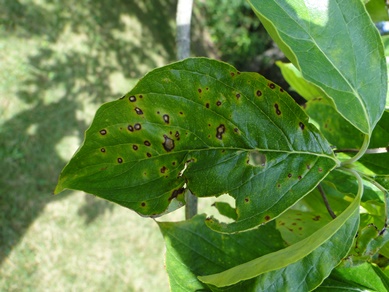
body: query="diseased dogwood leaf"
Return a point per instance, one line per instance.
(202, 125)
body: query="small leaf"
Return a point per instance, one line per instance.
(202, 125)
(281, 270)
(336, 47)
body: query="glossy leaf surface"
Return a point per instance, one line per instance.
(201, 124)
(192, 249)
(282, 270)
(337, 48)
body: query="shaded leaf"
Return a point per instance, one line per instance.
(336, 47)
(202, 125)
(192, 249)
(301, 266)
(225, 209)
(332, 285)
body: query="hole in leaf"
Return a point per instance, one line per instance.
(168, 144)
(257, 158)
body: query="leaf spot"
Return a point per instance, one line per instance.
(148, 154)
(278, 112)
(220, 131)
(281, 89)
(289, 175)
(137, 126)
(259, 93)
(132, 98)
(308, 166)
(232, 74)
(299, 177)
(120, 160)
(103, 132)
(166, 118)
(199, 90)
(177, 135)
(176, 193)
(246, 200)
(271, 85)
(320, 169)
(130, 128)
(135, 147)
(163, 169)
(207, 105)
(138, 111)
(147, 143)
(140, 96)
(168, 144)
(236, 130)
(267, 217)
(237, 95)
(316, 218)
(102, 150)
(218, 103)
(301, 125)
(143, 204)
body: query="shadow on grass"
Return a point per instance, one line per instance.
(64, 72)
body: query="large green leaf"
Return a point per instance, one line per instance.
(336, 47)
(192, 249)
(201, 125)
(301, 266)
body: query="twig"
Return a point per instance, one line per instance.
(323, 195)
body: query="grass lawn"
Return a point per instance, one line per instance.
(59, 61)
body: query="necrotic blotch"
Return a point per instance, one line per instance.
(137, 126)
(120, 160)
(103, 132)
(138, 111)
(132, 98)
(220, 131)
(278, 112)
(168, 144)
(147, 143)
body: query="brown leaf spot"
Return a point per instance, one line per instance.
(132, 98)
(137, 126)
(148, 154)
(237, 95)
(135, 147)
(220, 131)
(177, 135)
(130, 128)
(168, 144)
(163, 169)
(138, 111)
(289, 175)
(278, 112)
(120, 160)
(218, 103)
(147, 143)
(140, 96)
(316, 218)
(166, 119)
(246, 200)
(301, 125)
(143, 204)
(199, 90)
(176, 193)
(102, 150)
(232, 74)
(259, 93)
(207, 105)
(267, 217)
(271, 85)
(103, 132)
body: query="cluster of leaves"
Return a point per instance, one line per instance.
(201, 126)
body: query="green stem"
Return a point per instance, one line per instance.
(358, 177)
(361, 152)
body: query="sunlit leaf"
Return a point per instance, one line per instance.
(201, 125)
(301, 266)
(377, 10)
(192, 249)
(336, 47)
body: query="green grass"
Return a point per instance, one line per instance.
(59, 61)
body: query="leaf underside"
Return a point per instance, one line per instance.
(201, 125)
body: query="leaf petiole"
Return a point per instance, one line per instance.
(360, 153)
